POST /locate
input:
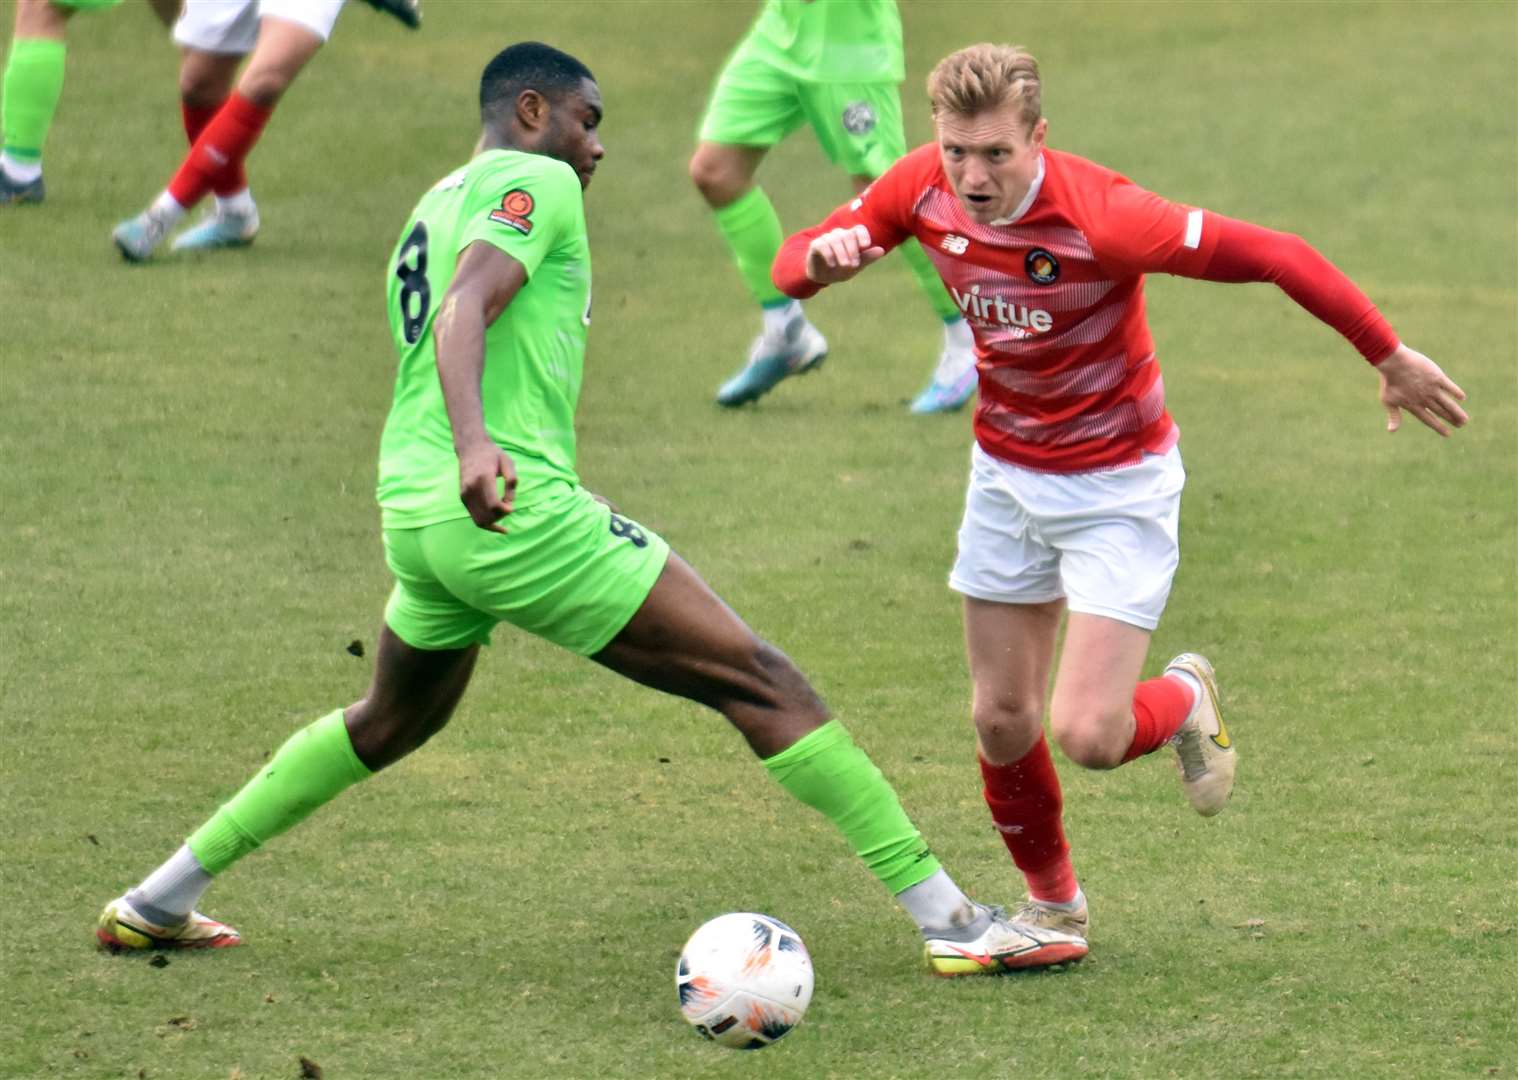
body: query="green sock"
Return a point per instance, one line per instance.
(752, 229)
(929, 281)
(312, 768)
(825, 770)
(32, 86)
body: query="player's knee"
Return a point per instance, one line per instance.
(265, 84)
(781, 682)
(1008, 726)
(1091, 740)
(383, 733)
(717, 181)
(197, 90)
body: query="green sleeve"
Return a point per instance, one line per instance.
(523, 207)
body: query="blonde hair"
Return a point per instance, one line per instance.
(986, 76)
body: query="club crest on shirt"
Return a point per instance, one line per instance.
(1042, 267)
(515, 211)
(859, 118)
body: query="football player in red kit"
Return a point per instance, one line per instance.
(1076, 477)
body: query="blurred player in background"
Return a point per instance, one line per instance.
(223, 122)
(32, 85)
(489, 305)
(1075, 483)
(835, 66)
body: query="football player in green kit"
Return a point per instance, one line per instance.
(485, 521)
(835, 65)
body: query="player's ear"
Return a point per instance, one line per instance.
(532, 110)
(1040, 130)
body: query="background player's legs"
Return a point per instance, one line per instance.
(753, 106)
(684, 640)
(205, 83)
(29, 93)
(787, 343)
(284, 47)
(411, 697)
(953, 379)
(724, 175)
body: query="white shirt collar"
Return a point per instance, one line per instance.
(1022, 207)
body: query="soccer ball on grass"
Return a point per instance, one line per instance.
(744, 980)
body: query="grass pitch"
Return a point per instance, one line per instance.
(188, 546)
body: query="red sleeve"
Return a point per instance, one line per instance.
(1139, 232)
(1245, 252)
(885, 208)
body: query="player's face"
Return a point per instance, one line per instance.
(990, 159)
(572, 135)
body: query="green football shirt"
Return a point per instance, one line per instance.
(532, 208)
(831, 41)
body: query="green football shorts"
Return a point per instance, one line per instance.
(756, 104)
(568, 570)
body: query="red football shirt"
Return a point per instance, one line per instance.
(1055, 297)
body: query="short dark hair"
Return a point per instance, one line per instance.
(527, 65)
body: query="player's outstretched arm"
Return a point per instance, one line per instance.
(1218, 248)
(1411, 381)
(485, 280)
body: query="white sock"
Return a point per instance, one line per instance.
(22, 172)
(240, 204)
(958, 357)
(1192, 683)
(1069, 905)
(166, 209)
(937, 904)
(173, 889)
(778, 317)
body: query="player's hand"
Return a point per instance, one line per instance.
(1411, 381)
(480, 467)
(839, 254)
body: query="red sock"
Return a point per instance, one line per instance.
(1159, 709)
(219, 150)
(196, 117)
(1025, 804)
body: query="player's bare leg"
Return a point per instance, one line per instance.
(788, 344)
(684, 640)
(1011, 652)
(1103, 716)
(411, 697)
(1091, 712)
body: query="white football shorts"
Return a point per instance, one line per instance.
(230, 27)
(1105, 541)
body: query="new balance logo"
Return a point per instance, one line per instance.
(955, 245)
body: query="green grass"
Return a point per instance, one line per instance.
(188, 543)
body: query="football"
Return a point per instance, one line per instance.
(744, 980)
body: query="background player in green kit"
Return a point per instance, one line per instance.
(32, 85)
(485, 521)
(835, 65)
